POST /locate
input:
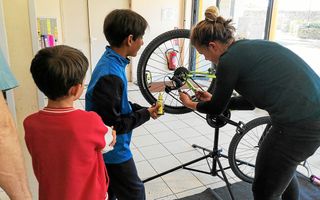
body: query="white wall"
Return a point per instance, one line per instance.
(98, 9)
(50, 9)
(80, 23)
(75, 27)
(74, 22)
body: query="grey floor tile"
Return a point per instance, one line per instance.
(140, 131)
(144, 140)
(187, 132)
(205, 179)
(168, 197)
(152, 122)
(204, 129)
(164, 163)
(200, 140)
(189, 115)
(154, 151)
(166, 136)
(217, 184)
(195, 121)
(178, 146)
(186, 157)
(181, 181)
(168, 118)
(137, 156)
(191, 192)
(156, 127)
(145, 170)
(156, 189)
(174, 125)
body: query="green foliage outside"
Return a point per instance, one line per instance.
(310, 31)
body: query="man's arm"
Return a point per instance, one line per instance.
(13, 178)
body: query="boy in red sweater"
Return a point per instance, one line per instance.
(66, 143)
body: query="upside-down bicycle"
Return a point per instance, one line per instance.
(170, 64)
(159, 72)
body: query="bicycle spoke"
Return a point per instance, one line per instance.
(244, 148)
(155, 67)
(153, 59)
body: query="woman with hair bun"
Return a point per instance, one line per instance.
(272, 78)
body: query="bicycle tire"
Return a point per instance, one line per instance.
(148, 64)
(244, 147)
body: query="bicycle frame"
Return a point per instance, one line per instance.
(193, 74)
(182, 77)
(207, 74)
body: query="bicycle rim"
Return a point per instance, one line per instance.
(244, 147)
(153, 71)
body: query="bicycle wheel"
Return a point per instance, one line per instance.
(244, 147)
(164, 55)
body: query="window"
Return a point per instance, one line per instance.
(249, 16)
(298, 28)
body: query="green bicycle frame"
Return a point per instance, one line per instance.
(192, 74)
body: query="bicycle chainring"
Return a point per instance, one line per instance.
(216, 121)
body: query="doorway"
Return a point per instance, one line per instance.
(97, 11)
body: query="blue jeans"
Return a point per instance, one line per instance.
(278, 157)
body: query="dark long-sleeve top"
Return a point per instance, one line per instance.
(269, 76)
(107, 95)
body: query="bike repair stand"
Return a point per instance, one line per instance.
(215, 153)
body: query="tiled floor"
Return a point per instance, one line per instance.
(162, 144)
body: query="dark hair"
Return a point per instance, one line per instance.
(212, 28)
(56, 69)
(121, 23)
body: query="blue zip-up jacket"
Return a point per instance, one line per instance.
(107, 95)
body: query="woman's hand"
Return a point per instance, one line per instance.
(203, 95)
(186, 100)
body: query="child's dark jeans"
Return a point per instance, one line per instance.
(125, 183)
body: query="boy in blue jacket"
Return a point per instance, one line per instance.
(107, 95)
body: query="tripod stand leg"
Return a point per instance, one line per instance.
(183, 166)
(224, 176)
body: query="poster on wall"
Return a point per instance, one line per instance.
(47, 31)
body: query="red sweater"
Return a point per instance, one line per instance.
(65, 146)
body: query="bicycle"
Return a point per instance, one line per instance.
(244, 146)
(158, 73)
(155, 75)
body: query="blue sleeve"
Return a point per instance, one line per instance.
(7, 80)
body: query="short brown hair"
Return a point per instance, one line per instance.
(56, 69)
(121, 23)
